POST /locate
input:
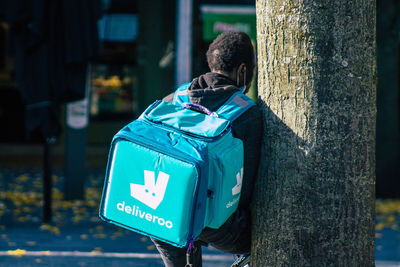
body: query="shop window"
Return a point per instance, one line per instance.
(114, 91)
(113, 78)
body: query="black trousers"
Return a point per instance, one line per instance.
(234, 236)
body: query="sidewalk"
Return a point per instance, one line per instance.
(387, 233)
(77, 237)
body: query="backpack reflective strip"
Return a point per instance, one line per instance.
(235, 106)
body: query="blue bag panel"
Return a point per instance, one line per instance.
(186, 120)
(225, 180)
(150, 192)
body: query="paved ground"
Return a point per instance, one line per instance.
(387, 236)
(77, 237)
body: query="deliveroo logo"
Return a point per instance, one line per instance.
(152, 192)
(238, 187)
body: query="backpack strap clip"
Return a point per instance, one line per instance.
(189, 253)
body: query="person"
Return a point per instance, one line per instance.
(231, 60)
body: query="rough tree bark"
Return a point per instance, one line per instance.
(314, 202)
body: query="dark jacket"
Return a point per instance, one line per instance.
(211, 90)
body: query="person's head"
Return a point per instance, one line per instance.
(232, 54)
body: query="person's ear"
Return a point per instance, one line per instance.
(242, 68)
(244, 74)
(240, 74)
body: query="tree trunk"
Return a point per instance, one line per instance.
(314, 199)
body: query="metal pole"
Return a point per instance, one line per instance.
(184, 26)
(47, 182)
(75, 145)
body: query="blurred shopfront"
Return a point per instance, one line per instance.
(135, 36)
(138, 65)
(137, 60)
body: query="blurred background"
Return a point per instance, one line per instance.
(72, 73)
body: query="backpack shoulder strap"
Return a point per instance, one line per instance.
(181, 95)
(235, 106)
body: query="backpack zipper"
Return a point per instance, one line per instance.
(182, 132)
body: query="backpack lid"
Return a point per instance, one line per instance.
(186, 120)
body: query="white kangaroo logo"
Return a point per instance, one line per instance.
(151, 193)
(238, 187)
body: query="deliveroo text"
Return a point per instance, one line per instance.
(135, 211)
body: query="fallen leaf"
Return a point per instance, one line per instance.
(53, 229)
(380, 226)
(17, 252)
(100, 236)
(390, 218)
(97, 250)
(151, 247)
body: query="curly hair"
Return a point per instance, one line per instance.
(229, 50)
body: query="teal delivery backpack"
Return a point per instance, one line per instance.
(174, 171)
